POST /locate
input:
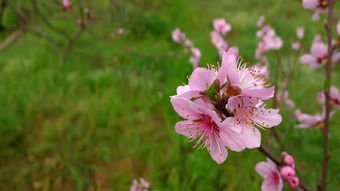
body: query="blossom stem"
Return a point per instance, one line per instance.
(322, 186)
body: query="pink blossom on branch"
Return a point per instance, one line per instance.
(67, 5)
(178, 36)
(271, 175)
(307, 120)
(206, 127)
(318, 6)
(221, 26)
(334, 95)
(318, 56)
(249, 113)
(261, 21)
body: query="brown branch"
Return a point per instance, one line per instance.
(322, 186)
(11, 38)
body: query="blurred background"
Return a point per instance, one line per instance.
(84, 94)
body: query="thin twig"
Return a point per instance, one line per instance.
(322, 186)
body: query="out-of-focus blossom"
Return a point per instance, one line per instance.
(271, 175)
(67, 5)
(285, 98)
(221, 26)
(296, 45)
(178, 36)
(262, 70)
(300, 32)
(273, 42)
(80, 22)
(261, 21)
(195, 57)
(206, 127)
(89, 14)
(142, 185)
(120, 31)
(338, 28)
(112, 35)
(319, 6)
(188, 43)
(318, 56)
(218, 41)
(269, 40)
(317, 38)
(334, 96)
(307, 120)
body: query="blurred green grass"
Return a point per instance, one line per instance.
(86, 126)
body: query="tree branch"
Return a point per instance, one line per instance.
(322, 186)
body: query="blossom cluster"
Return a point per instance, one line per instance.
(221, 28)
(223, 107)
(179, 37)
(140, 185)
(274, 174)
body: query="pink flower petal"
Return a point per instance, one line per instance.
(184, 108)
(251, 136)
(319, 49)
(216, 149)
(201, 79)
(307, 58)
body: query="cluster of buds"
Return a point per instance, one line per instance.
(142, 185)
(119, 32)
(221, 28)
(275, 174)
(223, 107)
(287, 172)
(195, 54)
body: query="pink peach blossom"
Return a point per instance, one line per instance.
(300, 31)
(261, 21)
(178, 36)
(249, 113)
(218, 41)
(120, 31)
(318, 6)
(244, 79)
(318, 56)
(307, 120)
(289, 160)
(262, 70)
(221, 26)
(195, 57)
(272, 179)
(334, 95)
(207, 128)
(296, 45)
(67, 5)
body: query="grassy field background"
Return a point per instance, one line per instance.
(97, 126)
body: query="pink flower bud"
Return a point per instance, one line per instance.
(112, 35)
(289, 160)
(287, 172)
(67, 5)
(294, 182)
(120, 31)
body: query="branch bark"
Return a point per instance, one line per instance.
(322, 186)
